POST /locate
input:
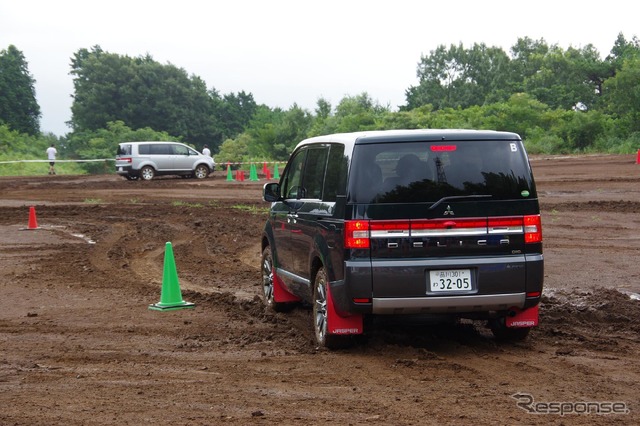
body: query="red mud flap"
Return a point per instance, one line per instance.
(337, 324)
(523, 318)
(280, 294)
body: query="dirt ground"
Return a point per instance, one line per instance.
(79, 345)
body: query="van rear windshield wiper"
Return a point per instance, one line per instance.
(458, 197)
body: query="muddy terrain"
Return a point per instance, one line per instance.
(79, 345)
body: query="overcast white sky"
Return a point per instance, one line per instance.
(288, 51)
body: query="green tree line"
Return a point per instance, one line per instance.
(559, 100)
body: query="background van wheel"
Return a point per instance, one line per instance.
(147, 173)
(267, 284)
(507, 334)
(201, 172)
(324, 339)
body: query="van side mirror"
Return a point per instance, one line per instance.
(271, 192)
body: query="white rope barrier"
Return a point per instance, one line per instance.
(233, 163)
(57, 161)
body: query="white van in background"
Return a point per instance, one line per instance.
(146, 160)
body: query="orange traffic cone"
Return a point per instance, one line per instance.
(33, 222)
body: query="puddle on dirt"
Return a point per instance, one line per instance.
(87, 239)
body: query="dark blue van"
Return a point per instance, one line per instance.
(436, 222)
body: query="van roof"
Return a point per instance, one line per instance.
(430, 135)
(140, 142)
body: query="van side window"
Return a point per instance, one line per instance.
(144, 149)
(292, 179)
(335, 181)
(314, 169)
(160, 149)
(180, 150)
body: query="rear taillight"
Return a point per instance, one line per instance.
(532, 229)
(502, 224)
(125, 159)
(356, 235)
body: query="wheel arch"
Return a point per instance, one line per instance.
(319, 257)
(201, 163)
(147, 163)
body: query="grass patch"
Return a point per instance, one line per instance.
(92, 201)
(251, 209)
(38, 168)
(185, 204)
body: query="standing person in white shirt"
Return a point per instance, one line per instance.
(206, 151)
(51, 155)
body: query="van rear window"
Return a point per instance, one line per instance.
(409, 172)
(124, 149)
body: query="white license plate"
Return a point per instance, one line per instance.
(119, 169)
(450, 280)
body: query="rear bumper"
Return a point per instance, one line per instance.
(402, 287)
(448, 304)
(125, 170)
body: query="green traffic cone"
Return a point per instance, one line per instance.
(253, 173)
(170, 296)
(276, 174)
(229, 176)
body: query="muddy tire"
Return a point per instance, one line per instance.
(201, 172)
(147, 173)
(507, 334)
(267, 284)
(323, 338)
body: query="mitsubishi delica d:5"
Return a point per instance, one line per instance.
(443, 223)
(146, 160)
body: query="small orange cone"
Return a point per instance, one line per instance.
(33, 222)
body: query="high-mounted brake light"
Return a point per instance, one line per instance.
(532, 229)
(356, 234)
(443, 148)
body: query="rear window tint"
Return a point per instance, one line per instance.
(124, 149)
(408, 172)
